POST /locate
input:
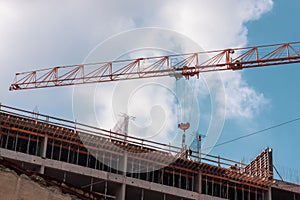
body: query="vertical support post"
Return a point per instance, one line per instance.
(153, 174)
(213, 188)
(220, 189)
(6, 141)
(44, 147)
(28, 144)
(65, 175)
(68, 157)
(249, 189)
(206, 187)
(52, 149)
(235, 193)
(132, 163)
(122, 193)
(117, 168)
(16, 143)
(37, 146)
(179, 184)
(173, 177)
(103, 161)
(87, 159)
(110, 163)
(193, 177)
(44, 152)
(162, 176)
(105, 190)
(73, 156)
(243, 193)
(1, 139)
(269, 194)
(91, 185)
(255, 193)
(59, 155)
(147, 172)
(227, 190)
(139, 172)
(124, 162)
(77, 157)
(142, 195)
(96, 161)
(199, 184)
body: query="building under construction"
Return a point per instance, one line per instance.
(93, 163)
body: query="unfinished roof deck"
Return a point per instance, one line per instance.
(61, 140)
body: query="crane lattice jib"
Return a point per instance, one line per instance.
(187, 65)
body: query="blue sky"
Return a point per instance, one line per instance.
(279, 85)
(37, 35)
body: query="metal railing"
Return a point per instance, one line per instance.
(168, 149)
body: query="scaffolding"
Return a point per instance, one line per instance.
(71, 142)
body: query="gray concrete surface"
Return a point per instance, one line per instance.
(14, 187)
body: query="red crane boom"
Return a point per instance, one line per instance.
(178, 65)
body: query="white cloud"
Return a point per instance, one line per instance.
(152, 102)
(221, 24)
(37, 34)
(242, 101)
(214, 24)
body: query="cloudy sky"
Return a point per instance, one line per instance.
(36, 34)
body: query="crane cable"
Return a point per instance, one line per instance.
(184, 90)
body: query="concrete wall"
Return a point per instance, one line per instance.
(14, 187)
(207, 197)
(118, 179)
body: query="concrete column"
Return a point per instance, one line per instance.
(198, 185)
(269, 194)
(43, 153)
(121, 194)
(198, 182)
(142, 195)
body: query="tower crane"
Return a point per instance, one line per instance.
(177, 65)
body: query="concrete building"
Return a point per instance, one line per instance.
(93, 163)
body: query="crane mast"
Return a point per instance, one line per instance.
(178, 65)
